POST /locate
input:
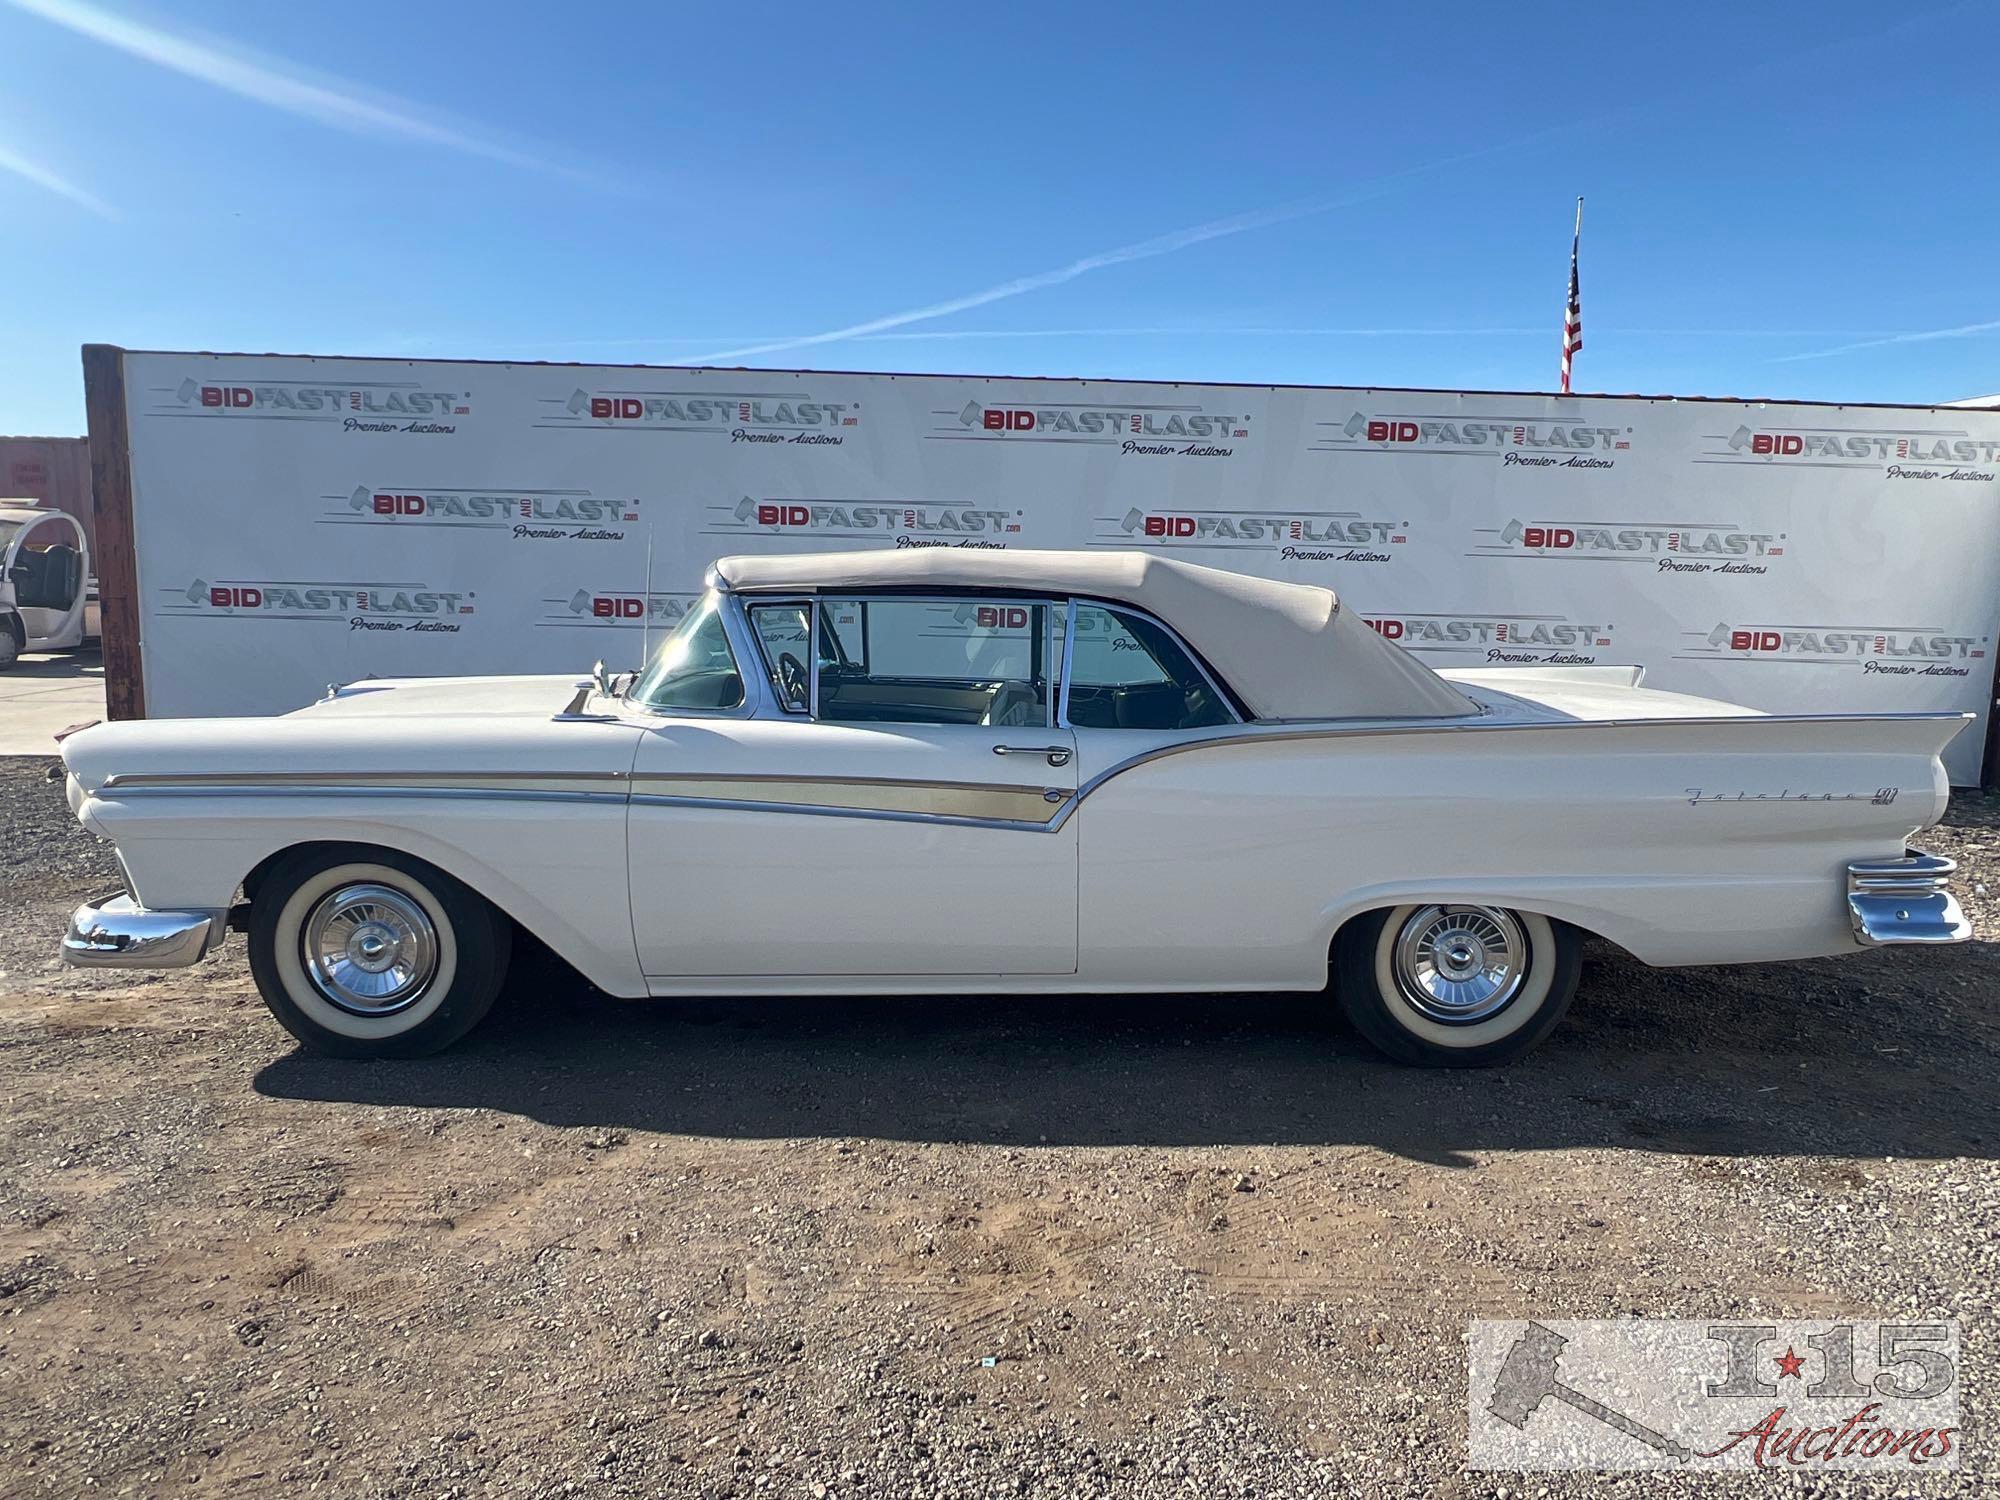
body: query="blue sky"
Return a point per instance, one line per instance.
(1781, 200)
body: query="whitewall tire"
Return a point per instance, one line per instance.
(1451, 985)
(368, 953)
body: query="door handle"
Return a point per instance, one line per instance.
(1058, 754)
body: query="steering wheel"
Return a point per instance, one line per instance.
(792, 676)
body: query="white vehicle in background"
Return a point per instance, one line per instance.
(45, 593)
(945, 770)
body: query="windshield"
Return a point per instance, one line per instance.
(694, 667)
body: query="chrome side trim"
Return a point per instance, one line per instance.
(499, 780)
(994, 804)
(893, 815)
(432, 793)
(1905, 900)
(118, 933)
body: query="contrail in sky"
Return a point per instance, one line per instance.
(1164, 244)
(280, 84)
(1963, 331)
(42, 177)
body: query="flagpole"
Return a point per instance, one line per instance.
(1572, 306)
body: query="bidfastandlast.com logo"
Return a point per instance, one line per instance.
(1792, 1397)
(526, 515)
(1669, 546)
(792, 417)
(1898, 453)
(395, 406)
(1502, 640)
(895, 523)
(1290, 536)
(1927, 651)
(417, 608)
(1184, 430)
(1515, 442)
(630, 608)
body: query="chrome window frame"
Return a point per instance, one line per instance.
(1227, 700)
(769, 677)
(744, 708)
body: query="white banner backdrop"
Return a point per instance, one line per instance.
(303, 521)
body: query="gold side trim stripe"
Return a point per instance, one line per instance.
(945, 799)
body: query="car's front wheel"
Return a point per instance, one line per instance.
(1456, 986)
(369, 953)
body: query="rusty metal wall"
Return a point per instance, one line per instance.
(53, 470)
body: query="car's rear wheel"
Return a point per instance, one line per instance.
(1456, 986)
(368, 953)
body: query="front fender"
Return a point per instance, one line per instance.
(555, 867)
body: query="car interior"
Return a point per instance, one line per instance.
(1156, 685)
(47, 577)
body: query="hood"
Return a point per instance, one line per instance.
(499, 724)
(1585, 693)
(433, 697)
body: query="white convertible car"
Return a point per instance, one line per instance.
(1009, 772)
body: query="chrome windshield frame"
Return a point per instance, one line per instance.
(744, 708)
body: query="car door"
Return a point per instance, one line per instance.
(895, 807)
(46, 569)
(1172, 854)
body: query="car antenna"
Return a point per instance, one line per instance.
(646, 619)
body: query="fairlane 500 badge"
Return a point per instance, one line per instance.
(1882, 796)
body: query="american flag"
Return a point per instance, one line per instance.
(1573, 309)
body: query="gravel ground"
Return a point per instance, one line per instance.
(768, 1248)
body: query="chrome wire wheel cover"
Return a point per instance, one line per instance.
(369, 949)
(1460, 964)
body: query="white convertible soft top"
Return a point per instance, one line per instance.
(1290, 650)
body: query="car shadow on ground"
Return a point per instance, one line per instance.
(1854, 1058)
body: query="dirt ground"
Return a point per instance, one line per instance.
(1130, 1247)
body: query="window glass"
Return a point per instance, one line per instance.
(1128, 673)
(694, 667)
(936, 661)
(782, 631)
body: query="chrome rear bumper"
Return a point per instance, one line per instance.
(1905, 900)
(118, 933)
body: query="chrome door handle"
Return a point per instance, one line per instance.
(1058, 754)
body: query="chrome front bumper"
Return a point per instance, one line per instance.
(1905, 901)
(118, 933)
